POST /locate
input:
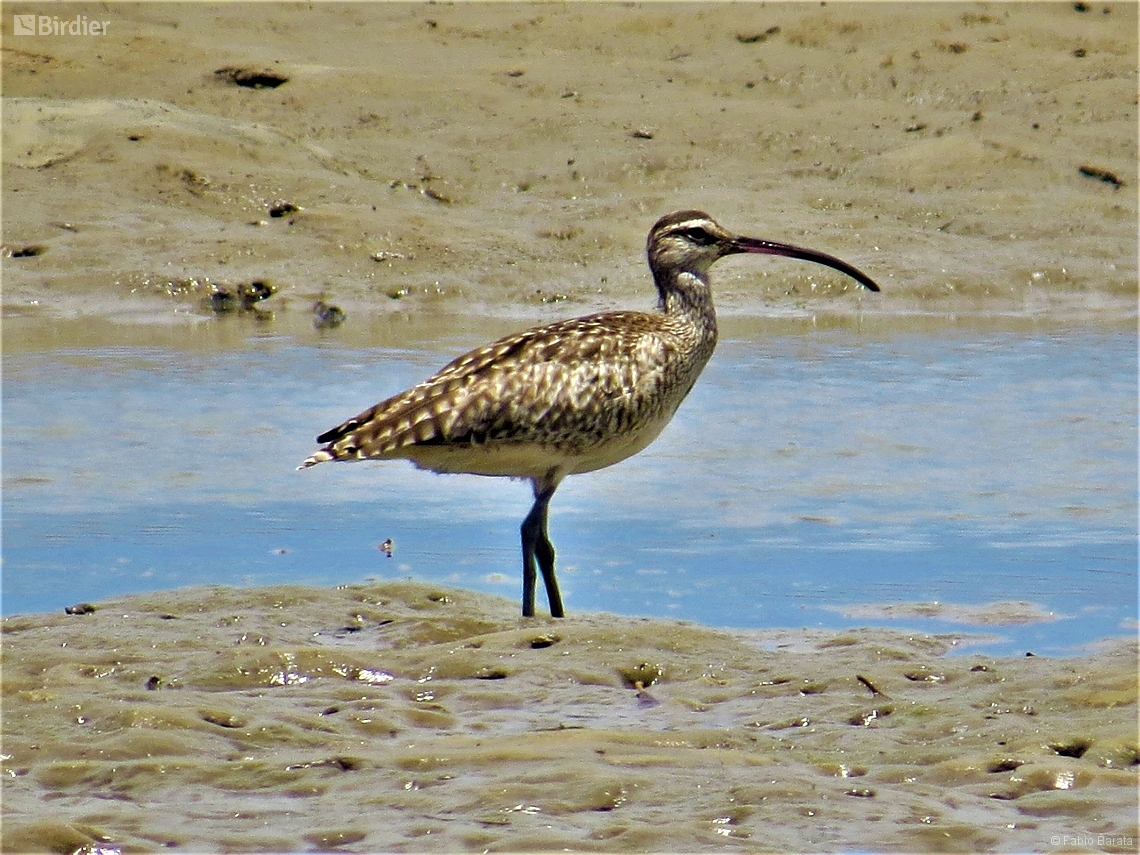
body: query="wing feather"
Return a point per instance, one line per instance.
(568, 384)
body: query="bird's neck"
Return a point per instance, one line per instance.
(686, 296)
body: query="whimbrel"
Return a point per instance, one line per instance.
(569, 397)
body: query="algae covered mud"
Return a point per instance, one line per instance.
(406, 717)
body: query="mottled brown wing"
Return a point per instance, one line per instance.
(568, 383)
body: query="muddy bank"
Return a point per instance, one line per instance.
(406, 717)
(426, 158)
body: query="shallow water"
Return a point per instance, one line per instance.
(976, 479)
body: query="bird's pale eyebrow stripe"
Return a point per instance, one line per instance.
(689, 224)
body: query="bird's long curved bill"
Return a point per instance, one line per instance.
(768, 247)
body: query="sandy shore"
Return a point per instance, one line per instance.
(424, 158)
(403, 717)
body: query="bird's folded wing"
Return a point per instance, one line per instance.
(575, 381)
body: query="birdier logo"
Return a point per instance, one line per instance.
(52, 25)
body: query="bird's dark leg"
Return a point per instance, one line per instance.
(529, 526)
(536, 545)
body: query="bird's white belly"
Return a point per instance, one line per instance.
(532, 460)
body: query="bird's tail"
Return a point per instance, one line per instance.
(321, 456)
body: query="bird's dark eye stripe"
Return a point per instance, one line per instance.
(698, 236)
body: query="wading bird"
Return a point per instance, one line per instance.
(569, 397)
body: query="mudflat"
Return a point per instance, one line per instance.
(502, 163)
(407, 717)
(508, 158)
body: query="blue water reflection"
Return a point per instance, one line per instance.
(810, 480)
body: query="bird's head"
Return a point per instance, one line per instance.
(689, 242)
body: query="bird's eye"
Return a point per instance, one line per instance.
(699, 236)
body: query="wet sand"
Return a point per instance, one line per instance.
(405, 717)
(511, 158)
(504, 163)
